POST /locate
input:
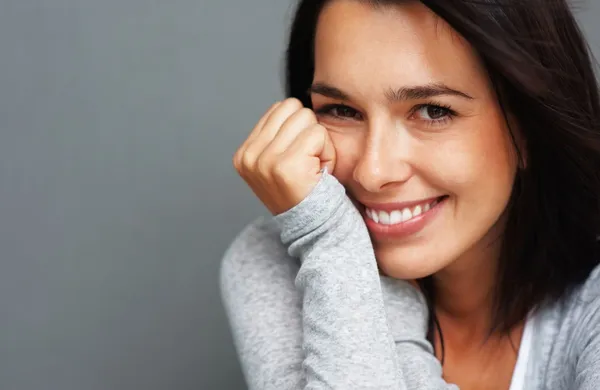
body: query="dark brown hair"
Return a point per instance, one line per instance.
(540, 65)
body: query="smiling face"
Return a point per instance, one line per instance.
(421, 141)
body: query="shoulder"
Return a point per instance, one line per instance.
(585, 332)
(567, 333)
(590, 290)
(578, 301)
(586, 305)
(583, 304)
(570, 318)
(581, 315)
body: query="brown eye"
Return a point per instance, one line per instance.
(436, 112)
(339, 111)
(432, 113)
(344, 111)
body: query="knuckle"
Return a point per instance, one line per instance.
(315, 131)
(293, 103)
(247, 161)
(307, 115)
(318, 128)
(263, 166)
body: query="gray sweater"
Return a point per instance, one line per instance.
(309, 310)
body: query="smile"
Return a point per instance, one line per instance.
(394, 217)
(395, 221)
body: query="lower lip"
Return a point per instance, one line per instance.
(403, 229)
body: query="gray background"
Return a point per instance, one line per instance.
(118, 120)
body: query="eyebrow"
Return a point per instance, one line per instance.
(393, 95)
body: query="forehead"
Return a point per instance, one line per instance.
(397, 44)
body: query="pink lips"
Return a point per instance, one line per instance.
(382, 231)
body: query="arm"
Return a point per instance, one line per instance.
(587, 368)
(407, 314)
(265, 309)
(347, 341)
(345, 320)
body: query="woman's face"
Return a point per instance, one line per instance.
(422, 144)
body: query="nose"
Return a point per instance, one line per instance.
(386, 159)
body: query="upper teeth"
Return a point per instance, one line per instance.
(398, 216)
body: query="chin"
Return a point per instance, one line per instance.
(406, 267)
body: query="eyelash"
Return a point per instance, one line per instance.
(450, 114)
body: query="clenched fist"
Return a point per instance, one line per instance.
(282, 158)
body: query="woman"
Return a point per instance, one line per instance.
(435, 182)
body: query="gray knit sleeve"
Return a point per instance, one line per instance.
(343, 326)
(586, 335)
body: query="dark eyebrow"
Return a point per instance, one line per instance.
(423, 92)
(393, 95)
(327, 91)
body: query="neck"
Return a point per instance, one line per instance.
(465, 290)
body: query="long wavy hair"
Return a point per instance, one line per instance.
(541, 68)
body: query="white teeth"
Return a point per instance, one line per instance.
(416, 211)
(406, 215)
(399, 216)
(395, 217)
(384, 218)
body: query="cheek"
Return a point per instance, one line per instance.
(481, 181)
(348, 148)
(479, 159)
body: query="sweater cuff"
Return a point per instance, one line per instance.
(313, 211)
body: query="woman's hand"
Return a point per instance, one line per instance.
(282, 158)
